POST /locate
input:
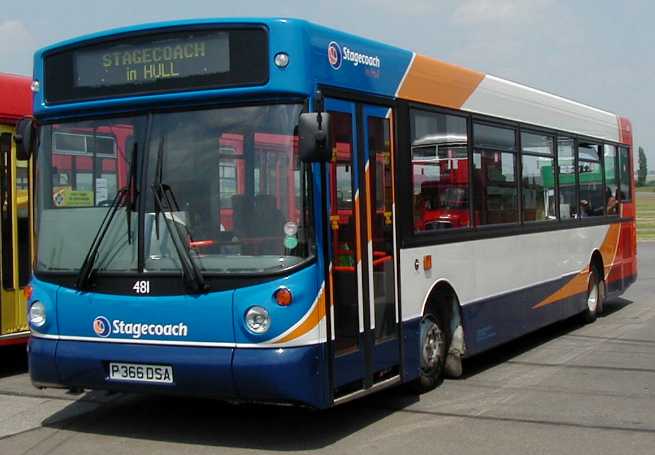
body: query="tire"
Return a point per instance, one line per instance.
(595, 297)
(433, 350)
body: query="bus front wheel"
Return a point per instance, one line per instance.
(433, 349)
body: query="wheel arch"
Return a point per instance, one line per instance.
(596, 262)
(440, 292)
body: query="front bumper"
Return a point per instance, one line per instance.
(283, 375)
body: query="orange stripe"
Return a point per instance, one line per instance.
(577, 285)
(308, 324)
(580, 282)
(358, 233)
(434, 82)
(610, 246)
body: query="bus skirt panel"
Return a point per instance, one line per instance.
(282, 375)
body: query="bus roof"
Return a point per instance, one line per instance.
(16, 97)
(327, 57)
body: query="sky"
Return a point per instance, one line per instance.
(596, 52)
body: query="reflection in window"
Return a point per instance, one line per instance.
(496, 192)
(538, 177)
(625, 174)
(440, 171)
(592, 194)
(538, 188)
(568, 203)
(611, 179)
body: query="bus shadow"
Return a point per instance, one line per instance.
(14, 360)
(207, 422)
(515, 348)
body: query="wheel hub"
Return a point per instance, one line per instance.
(432, 346)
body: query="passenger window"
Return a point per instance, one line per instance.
(440, 172)
(611, 179)
(568, 202)
(624, 174)
(494, 165)
(592, 194)
(538, 177)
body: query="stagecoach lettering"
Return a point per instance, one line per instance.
(151, 62)
(159, 71)
(155, 54)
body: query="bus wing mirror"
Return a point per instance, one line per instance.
(314, 137)
(24, 139)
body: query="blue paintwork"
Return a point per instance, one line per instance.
(304, 286)
(43, 362)
(411, 349)
(349, 367)
(72, 313)
(305, 42)
(494, 321)
(293, 375)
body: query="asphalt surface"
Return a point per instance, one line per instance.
(569, 389)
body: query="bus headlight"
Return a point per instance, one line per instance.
(37, 314)
(257, 320)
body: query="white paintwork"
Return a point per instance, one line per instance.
(369, 256)
(480, 269)
(509, 100)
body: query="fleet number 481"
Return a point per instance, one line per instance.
(142, 287)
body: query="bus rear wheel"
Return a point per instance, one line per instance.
(595, 297)
(433, 350)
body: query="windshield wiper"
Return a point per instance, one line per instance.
(89, 260)
(193, 277)
(126, 195)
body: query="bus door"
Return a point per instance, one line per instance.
(364, 311)
(15, 259)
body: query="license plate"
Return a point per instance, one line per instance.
(159, 374)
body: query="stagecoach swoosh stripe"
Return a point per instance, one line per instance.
(578, 284)
(311, 319)
(435, 82)
(610, 248)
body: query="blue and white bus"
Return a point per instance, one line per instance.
(269, 210)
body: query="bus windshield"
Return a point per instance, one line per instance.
(228, 180)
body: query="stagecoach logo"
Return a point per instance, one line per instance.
(335, 57)
(101, 326)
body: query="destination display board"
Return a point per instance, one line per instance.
(171, 61)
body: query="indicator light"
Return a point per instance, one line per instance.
(283, 296)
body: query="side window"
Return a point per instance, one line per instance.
(440, 171)
(495, 188)
(538, 177)
(611, 179)
(568, 201)
(625, 174)
(592, 194)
